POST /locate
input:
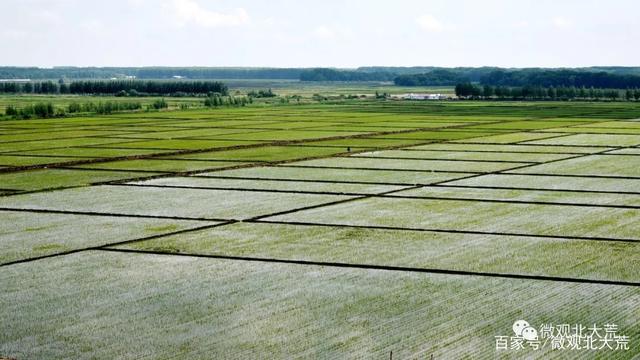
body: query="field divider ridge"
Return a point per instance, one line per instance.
(386, 196)
(380, 267)
(124, 242)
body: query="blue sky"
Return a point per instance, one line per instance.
(347, 33)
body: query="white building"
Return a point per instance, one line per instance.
(413, 96)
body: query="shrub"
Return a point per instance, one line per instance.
(74, 107)
(11, 111)
(261, 93)
(213, 100)
(159, 104)
(44, 110)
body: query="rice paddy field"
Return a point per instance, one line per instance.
(374, 230)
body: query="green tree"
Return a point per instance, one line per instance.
(488, 91)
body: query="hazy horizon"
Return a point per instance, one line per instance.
(341, 34)
(316, 67)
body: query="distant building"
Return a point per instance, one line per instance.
(15, 80)
(413, 96)
(127, 77)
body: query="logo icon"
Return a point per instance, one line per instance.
(522, 329)
(563, 337)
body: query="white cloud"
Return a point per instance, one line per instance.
(14, 34)
(324, 32)
(562, 22)
(432, 24)
(190, 12)
(47, 17)
(521, 24)
(93, 25)
(136, 3)
(270, 21)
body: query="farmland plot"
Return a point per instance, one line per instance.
(225, 306)
(203, 308)
(29, 235)
(409, 164)
(160, 165)
(482, 253)
(287, 185)
(320, 174)
(465, 155)
(517, 148)
(324, 231)
(480, 216)
(55, 178)
(172, 202)
(593, 165)
(550, 182)
(525, 196)
(591, 140)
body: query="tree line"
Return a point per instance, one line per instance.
(217, 73)
(70, 72)
(597, 77)
(261, 93)
(372, 73)
(325, 74)
(216, 100)
(527, 77)
(488, 92)
(116, 87)
(565, 77)
(440, 77)
(48, 110)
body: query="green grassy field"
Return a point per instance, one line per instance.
(283, 88)
(65, 100)
(351, 230)
(308, 89)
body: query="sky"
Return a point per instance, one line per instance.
(326, 33)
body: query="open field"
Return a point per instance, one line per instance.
(65, 100)
(319, 231)
(307, 89)
(283, 88)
